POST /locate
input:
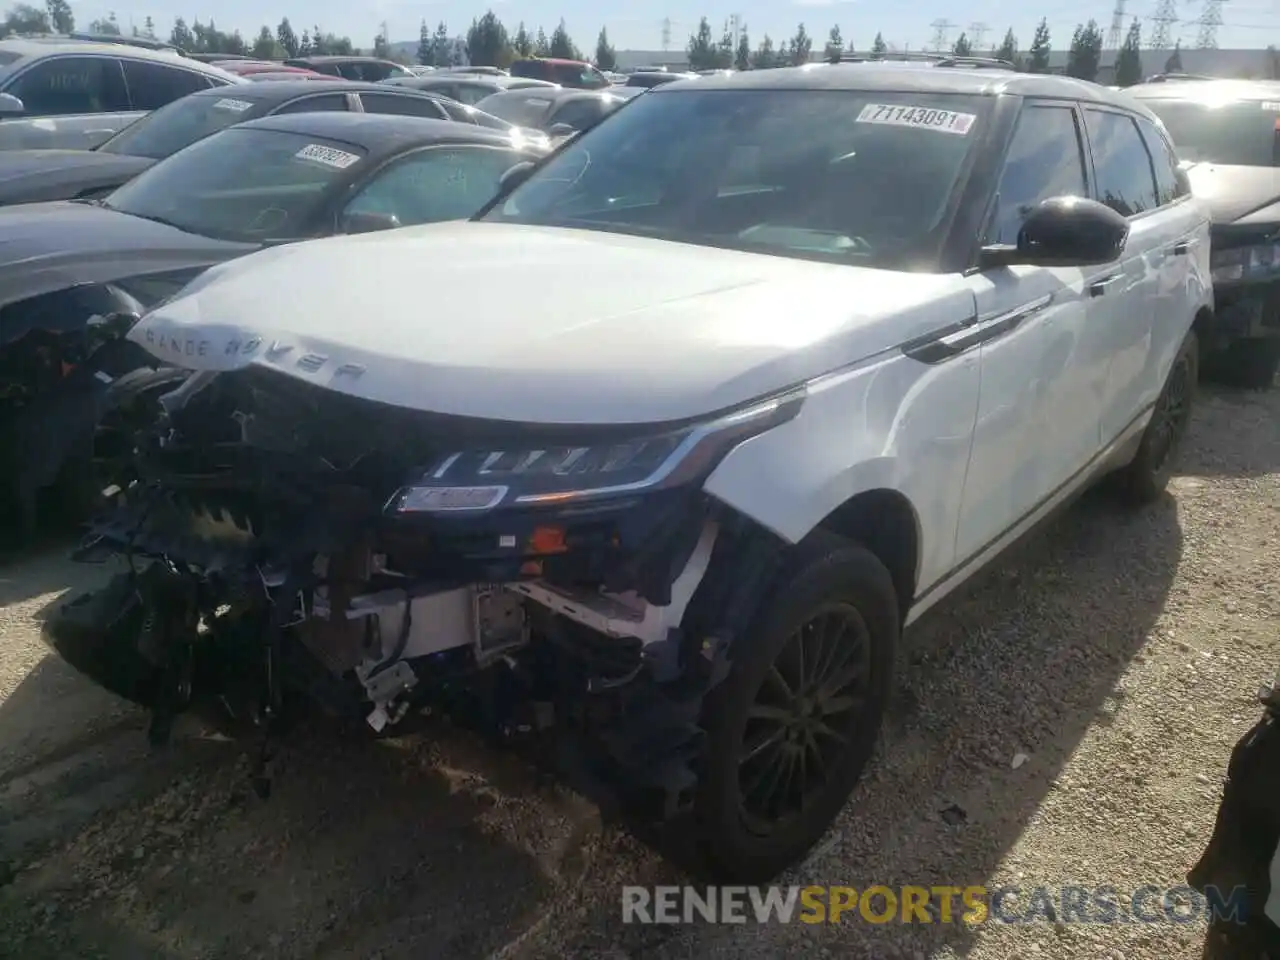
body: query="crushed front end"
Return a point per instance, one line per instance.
(295, 548)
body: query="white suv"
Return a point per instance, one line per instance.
(657, 456)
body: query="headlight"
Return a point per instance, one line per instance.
(1240, 263)
(525, 475)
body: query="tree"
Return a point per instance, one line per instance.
(522, 43)
(441, 46)
(878, 46)
(1085, 54)
(149, 28)
(181, 36)
(305, 46)
(264, 47)
(425, 48)
(1038, 55)
(381, 47)
(24, 18)
(1174, 63)
(562, 45)
(1129, 59)
(764, 57)
(742, 59)
(700, 51)
(801, 45)
(725, 48)
(962, 48)
(60, 16)
(1008, 49)
(287, 39)
(606, 59)
(109, 26)
(835, 43)
(541, 45)
(487, 42)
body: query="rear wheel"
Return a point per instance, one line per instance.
(1147, 475)
(793, 726)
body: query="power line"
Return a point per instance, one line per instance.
(1210, 21)
(941, 32)
(1165, 16)
(1114, 35)
(666, 34)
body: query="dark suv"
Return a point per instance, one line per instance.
(1227, 134)
(568, 73)
(368, 69)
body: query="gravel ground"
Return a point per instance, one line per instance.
(1115, 656)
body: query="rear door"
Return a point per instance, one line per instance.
(402, 106)
(62, 85)
(318, 103)
(153, 85)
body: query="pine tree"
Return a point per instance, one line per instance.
(700, 51)
(426, 49)
(1038, 59)
(835, 43)
(606, 59)
(742, 59)
(1174, 63)
(764, 57)
(801, 45)
(522, 43)
(1008, 49)
(1129, 59)
(962, 48)
(1085, 55)
(878, 47)
(287, 39)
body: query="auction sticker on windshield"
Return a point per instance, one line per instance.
(928, 118)
(235, 106)
(329, 156)
(1271, 106)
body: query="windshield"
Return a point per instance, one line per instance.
(524, 108)
(179, 124)
(1239, 132)
(851, 177)
(241, 184)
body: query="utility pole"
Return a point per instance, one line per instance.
(1210, 21)
(941, 34)
(1165, 17)
(976, 32)
(1115, 36)
(666, 34)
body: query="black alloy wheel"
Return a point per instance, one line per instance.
(1172, 415)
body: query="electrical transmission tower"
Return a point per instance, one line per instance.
(1115, 36)
(1165, 17)
(1210, 21)
(976, 32)
(666, 34)
(941, 33)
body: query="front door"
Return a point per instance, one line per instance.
(1043, 372)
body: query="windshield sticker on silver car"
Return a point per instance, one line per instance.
(329, 156)
(1271, 106)
(235, 106)
(927, 118)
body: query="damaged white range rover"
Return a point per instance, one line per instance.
(651, 461)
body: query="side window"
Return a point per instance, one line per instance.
(1126, 179)
(152, 85)
(440, 183)
(471, 93)
(1044, 160)
(401, 106)
(327, 103)
(579, 114)
(64, 85)
(1165, 161)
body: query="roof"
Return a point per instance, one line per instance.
(378, 132)
(903, 77)
(563, 93)
(560, 60)
(287, 89)
(340, 58)
(28, 47)
(1195, 89)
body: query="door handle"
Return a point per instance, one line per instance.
(1099, 287)
(1183, 247)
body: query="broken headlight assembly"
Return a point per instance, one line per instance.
(531, 475)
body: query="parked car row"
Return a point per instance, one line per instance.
(642, 449)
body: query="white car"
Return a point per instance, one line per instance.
(655, 458)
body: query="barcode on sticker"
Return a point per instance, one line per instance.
(945, 121)
(235, 106)
(1271, 106)
(329, 156)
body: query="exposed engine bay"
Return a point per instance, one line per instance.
(295, 548)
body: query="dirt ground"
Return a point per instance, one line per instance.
(1118, 654)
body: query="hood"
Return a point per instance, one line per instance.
(30, 176)
(543, 325)
(51, 246)
(1232, 192)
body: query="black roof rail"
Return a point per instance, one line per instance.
(937, 59)
(1164, 77)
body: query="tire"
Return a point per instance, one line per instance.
(1145, 478)
(828, 580)
(1248, 364)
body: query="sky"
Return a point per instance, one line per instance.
(638, 24)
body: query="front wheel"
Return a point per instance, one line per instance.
(792, 727)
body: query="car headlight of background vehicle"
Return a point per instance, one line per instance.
(1241, 263)
(528, 475)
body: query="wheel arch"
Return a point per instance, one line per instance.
(885, 522)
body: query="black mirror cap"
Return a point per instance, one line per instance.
(368, 222)
(1065, 232)
(516, 175)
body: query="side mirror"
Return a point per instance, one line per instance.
(1064, 232)
(562, 130)
(11, 106)
(367, 222)
(515, 176)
